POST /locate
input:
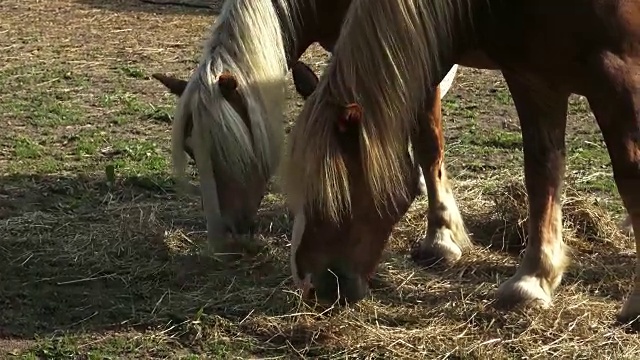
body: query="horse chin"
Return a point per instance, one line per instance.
(244, 225)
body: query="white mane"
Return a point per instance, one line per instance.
(247, 40)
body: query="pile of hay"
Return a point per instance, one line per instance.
(584, 219)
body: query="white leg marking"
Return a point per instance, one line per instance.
(626, 226)
(631, 308)
(447, 82)
(452, 214)
(453, 217)
(447, 241)
(422, 184)
(541, 270)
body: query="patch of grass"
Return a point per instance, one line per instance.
(132, 72)
(43, 96)
(494, 140)
(590, 166)
(41, 165)
(459, 108)
(106, 347)
(139, 157)
(27, 149)
(507, 140)
(58, 348)
(578, 105)
(162, 114)
(46, 111)
(502, 95)
(128, 103)
(86, 146)
(502, 140)
(130, 107)
(35, 78)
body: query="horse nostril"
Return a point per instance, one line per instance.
(333, 285)
(245, 225)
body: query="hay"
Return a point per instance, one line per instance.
(584, 218)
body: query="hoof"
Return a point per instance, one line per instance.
(630, 313)
(626, 227)
(631, 323)
(229, 247)
(441, 250)
(522, 291)
(378, 283)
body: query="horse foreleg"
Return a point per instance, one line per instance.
(446, 235)
(542, 114)
(616, 105)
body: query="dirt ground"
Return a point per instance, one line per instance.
(95, 266)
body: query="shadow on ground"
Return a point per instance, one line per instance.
(160, 7)
(80, 255)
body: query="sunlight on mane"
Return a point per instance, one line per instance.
(248, 41)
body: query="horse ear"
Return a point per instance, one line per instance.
(176, 86)
(304, 79)
(351, 115)
(227, 84)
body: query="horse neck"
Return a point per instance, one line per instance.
(408, 58)
(465, 37)
(315, 21)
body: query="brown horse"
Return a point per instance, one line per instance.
(230, 115)
(352, 132)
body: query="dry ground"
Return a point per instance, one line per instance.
(100, 267)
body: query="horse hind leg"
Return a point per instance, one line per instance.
(422, 183)
(616, 106)
(542, 114)
(626, 226)
(444, 87)
(446, 236)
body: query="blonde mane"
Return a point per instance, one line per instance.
(386, 59)
(249, 39)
